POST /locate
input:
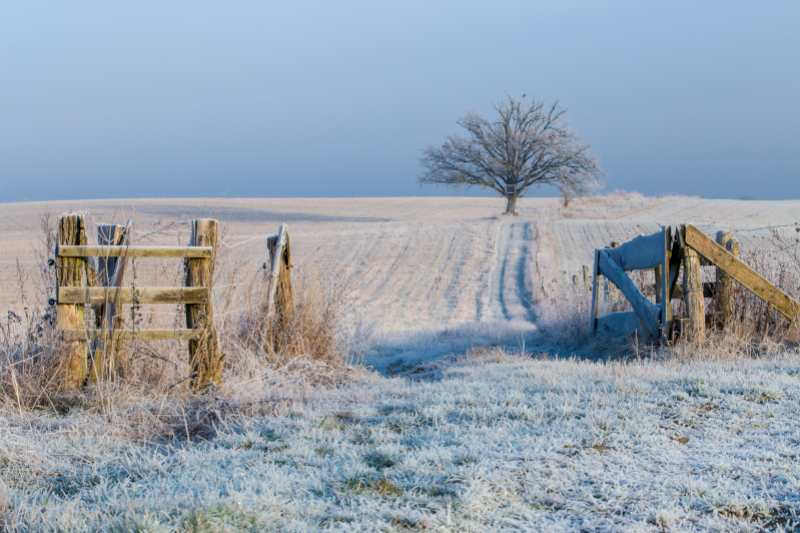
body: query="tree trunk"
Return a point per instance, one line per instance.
(511, 206)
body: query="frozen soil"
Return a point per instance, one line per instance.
(494, 443)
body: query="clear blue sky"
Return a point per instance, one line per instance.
(179, 98)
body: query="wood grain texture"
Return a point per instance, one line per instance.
(693, 295)
(724, 295)
(205, 357)
(117, 295)
(662, 286)
(283, 304)
(194, 252)
(708, 290)
(276, 255)
(127, 335)
(595, 291)
(279, 311)
(70, 273)
(675, 261)
(742, 273)
(659, 285)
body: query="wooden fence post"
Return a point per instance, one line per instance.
(110, 273)
(664, 296)
(659, 286)
(724, 291)
(70, 271)
(280, 298)
(587, 278)
(612, 292)
(693, 293)
(204, 352)
(595, 291)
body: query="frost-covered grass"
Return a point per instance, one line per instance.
(500, 442)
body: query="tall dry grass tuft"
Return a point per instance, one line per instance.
(310, 349)
(778, 260)
(311, 330)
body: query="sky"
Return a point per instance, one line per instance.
(337, 99)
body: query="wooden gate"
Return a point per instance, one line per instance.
(666, 252)
(649, 320)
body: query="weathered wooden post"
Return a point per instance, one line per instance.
(70, 271)
(663, 294)
(659, 289)
(724, 290)
(595, 291)
(110, 273)
(693, 293)
(612, 292)
(204, 352)
(280, 298)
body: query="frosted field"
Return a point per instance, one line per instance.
(420, 270)
(499, 443)
(415, 263)
(488, 441)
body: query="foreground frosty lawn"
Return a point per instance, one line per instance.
(498, 443)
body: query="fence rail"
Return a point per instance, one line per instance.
(119, 295)
(194, 252)
(127, 335)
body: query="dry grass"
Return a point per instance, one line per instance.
(500, 442)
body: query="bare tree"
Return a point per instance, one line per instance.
(525, 146)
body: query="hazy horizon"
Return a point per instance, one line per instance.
(337, 100)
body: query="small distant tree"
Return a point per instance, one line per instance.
(525, 146)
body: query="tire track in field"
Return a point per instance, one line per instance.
(510, 297)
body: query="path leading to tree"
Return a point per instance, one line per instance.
(510, 294)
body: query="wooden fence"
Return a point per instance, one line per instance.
(92, 352)
(666, 252)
